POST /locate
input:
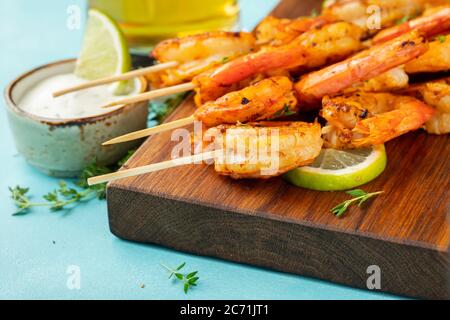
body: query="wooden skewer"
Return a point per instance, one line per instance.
(120, 77)
(151, 168)
(153, 94)
(149, 131)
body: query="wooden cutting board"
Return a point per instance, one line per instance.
(275, 225)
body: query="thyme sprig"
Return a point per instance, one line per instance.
(56, 200)
(64, 196)
(359, 198)
(189, 280)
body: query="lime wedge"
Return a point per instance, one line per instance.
(104, 52)
(336, 170)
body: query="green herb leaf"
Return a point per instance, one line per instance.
(190, 280)
(179, 276)
(51, 196)
(286, 111)
(442, 38)
(359, 198)
(160, 110)
(357, 193)
(403, 20)
(126, 158)
(65, 196)
(19, 196)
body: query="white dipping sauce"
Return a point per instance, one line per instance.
(84, 103)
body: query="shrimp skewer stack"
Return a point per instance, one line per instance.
(311, 49)
(359, 96)
(181, 59)
(363, 66)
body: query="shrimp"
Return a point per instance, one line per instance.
(198, 53)
(362, 66)
(436, 94)
(392, 80)
(365, 119)
(266, 99)
(275, 32)
(434, 21)
(436, 59)
(310, 50)
(265, 149)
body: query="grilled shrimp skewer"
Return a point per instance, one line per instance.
(198, 53)
(181, 59)
(434, 21)
(366, 119)
(362, 66)
(437, 95)
(261, 101)
(238, 151)
(311, 49)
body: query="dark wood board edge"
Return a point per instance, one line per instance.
(329, 255)
(287, 219)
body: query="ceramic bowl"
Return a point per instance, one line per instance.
(62, 148)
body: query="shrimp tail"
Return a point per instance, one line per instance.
(411, 114)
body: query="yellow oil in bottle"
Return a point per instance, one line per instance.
(146, 22)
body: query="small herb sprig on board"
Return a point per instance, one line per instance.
(65, 196)
(189, 280)
(359, 198)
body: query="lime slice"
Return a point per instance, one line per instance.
(337, 170)
(104, 52)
